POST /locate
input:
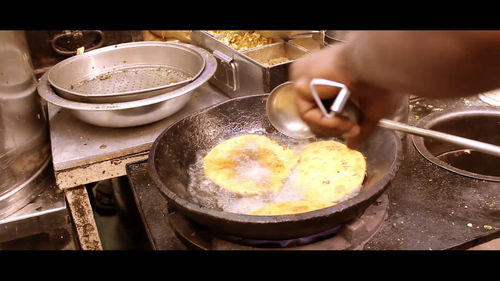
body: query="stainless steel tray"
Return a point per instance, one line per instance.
(242, 72)
(126, 72)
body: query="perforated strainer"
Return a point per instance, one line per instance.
(126, 72)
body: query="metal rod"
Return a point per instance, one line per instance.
(466, 143)
(351, 110)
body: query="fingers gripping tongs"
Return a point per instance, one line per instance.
(342, 105)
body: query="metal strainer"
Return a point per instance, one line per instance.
(126, 72)
(130, 79)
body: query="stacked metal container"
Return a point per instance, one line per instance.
(24, 138)
(242, 72)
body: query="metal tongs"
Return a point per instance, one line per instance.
(283, 115)
(343, 106)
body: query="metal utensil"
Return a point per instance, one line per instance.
(126, 72)
(24, 128)
(131, 113)
(283, 115)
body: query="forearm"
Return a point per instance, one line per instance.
(426, 63)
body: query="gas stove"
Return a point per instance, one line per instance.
(425, 207)
(350, 236)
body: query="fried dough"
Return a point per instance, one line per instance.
(328, 173)
(249, 164)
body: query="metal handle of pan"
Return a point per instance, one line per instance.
(343, 106)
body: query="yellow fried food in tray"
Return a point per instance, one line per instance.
(245, 40)
(328, 173)
(249, 165)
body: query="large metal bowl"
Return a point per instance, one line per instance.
(126, 72)
(132, 113)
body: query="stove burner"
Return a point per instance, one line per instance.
(351, 236)
(264, 243)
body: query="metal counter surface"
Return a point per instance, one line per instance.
(83, 153)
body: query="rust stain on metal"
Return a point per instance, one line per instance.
(95, 172)
(83, 218)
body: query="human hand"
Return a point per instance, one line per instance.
(330, 63)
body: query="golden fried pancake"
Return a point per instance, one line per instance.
(329, 171)
(290, 207)
(249, 164)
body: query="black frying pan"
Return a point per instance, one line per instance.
(175, 150)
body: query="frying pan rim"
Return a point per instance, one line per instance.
(381, 184)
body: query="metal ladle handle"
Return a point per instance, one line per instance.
(343, 106)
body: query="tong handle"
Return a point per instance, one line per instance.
(342, 104)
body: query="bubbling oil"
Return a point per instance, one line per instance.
(208, 194)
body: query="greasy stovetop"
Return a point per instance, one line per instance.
(429, 207)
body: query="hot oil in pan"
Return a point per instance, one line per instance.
(208, 194)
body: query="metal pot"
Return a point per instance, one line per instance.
(176, 149)
(24, 138)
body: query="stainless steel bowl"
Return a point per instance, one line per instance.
(132, 113)
(126, 72)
